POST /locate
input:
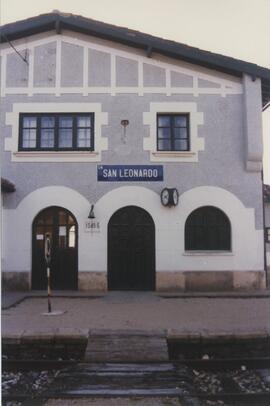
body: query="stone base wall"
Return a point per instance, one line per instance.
(16, 281)
(191, 281)
(92, 281)
(210, 281)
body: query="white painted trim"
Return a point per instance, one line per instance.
(140, 78)
(31, 71)
(113, 74)
(150, 142)
(195, 86)
(168, 82)
(247, 242)
(227, 86)
(58, 66)
(117, 90)
(85, 70)
(12, 118)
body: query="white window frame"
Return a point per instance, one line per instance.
(12, 143)
(196, 142)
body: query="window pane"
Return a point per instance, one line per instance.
(83, 138)
(65, 122)
(47, 122)
(164, 121)
(180, 145)
(29, 138)
(65, 138)
(180, 132)
(84, 121)
(164, 133)
(29, 122)
(164, 145)
(180, 121)
(47, 138)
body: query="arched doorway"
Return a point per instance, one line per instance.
(62, 228)
(131, 250)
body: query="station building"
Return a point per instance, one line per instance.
(138, 157)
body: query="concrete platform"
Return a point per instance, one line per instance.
(11, 298)
(175, 314)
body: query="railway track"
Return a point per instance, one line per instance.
(230, 382)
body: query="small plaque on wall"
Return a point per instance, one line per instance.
(92, 226)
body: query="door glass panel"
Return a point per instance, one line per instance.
(62, 239)
(62, 231)
(70, 220)
(71, 237)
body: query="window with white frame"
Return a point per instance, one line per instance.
(173, 132)
(56, 132)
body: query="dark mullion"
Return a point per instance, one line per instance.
(21, 131)
(188, 133)
(38, 132)
(74, 131)
(172, 132)
(56, 132)
(92, 137)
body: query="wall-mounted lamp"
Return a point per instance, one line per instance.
(124, 123)
(91, 214)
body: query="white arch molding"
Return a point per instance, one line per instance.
(247, 242)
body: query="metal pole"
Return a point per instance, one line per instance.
(47, 252)
(49, 290)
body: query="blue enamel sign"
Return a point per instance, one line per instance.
(129, 173)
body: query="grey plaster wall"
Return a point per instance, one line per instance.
(153, 75)
(222, 163)
(126, 72)
(71, 65)
(181, 80)
(207, 83)
(17, 70)
(99, 68)
(267, 214)
(45, 65)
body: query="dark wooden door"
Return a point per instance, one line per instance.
(131, 250)
(62, 229)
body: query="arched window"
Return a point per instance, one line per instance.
(208, 228)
